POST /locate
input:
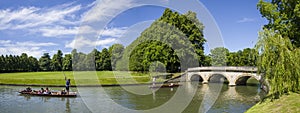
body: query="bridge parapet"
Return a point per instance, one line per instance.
(235, 75)
(224, 68)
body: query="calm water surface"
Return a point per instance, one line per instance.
(229, 99)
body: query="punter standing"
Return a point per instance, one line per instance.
(68, 83)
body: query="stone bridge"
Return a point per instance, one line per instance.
(234, 75)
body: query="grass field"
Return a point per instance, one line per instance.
(286, 104)
(77, 78)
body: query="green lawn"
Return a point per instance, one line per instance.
(77, 78)
(286, 104)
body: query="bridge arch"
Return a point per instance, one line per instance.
(196, 77)
(235, 75)
(217, 77)
(242, 79)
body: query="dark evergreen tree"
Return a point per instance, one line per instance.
(44, 62)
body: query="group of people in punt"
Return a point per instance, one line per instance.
(47, 91)
(44, 91)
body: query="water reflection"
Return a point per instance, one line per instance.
(230, 99)
(68, 109)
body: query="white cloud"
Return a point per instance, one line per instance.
(40, 20)
(34, 44)
(57, 31)
(114, 32)
(85, 42)
(111, 35)
(101, 12)
(244, 20)
(29, 47)
(31, 51)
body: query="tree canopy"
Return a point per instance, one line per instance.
(279, 63)
(283, 17)
(278, 46)
(170, 39)
(221, 56)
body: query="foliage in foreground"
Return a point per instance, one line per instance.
(279, 63)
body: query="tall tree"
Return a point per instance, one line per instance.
(284, 18)
(67, 62)
(105, 60)
(75, 60)
(116, 53)
(179, 34)
(278, 58)
(24, 62)
(45, 62)
(2, 63)
(97, 59)
(56, 62)
(190, 26)
(218, 56)
(33, 64)
(279, 63)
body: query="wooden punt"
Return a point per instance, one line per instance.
(53, 94)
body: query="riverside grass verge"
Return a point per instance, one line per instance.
(289, 103)
(81, 78)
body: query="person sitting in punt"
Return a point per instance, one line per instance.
(63, 92)
(47, 91)
(28, 89)
(41, 91)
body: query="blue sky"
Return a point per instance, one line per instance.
(41, 26)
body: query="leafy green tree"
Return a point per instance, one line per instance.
(178, 36)
(33, 64)
(283, 17)
(105, 60)
(245, 57)
(116, 53)
(278, 58)
(67, 62)
(24, 63)
(190, 26)
(279, 63)
(218, 56)
(56, 62)
(97, 59)
(44, 62)
(2, 63)
(207, 61)
(75, 60)
(89, 61)
(152, 51)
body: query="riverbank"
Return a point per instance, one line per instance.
(286, 104)
(80, 79)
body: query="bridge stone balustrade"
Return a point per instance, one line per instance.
(234, 75)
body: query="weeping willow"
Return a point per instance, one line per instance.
(278, 62)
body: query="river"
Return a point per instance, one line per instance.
(188, 98)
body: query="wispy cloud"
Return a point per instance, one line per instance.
(101, 12)
(36, 20)
(85, 42)
(113, 32)
(17, 48)
(245, 20)
(108, 36)
(61, 20)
